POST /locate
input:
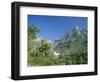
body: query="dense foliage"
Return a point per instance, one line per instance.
(39, 52)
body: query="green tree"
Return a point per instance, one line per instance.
(45, 48)
(32, 31)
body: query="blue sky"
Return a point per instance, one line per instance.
(54, 27)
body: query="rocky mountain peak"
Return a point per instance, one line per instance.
(73, 34)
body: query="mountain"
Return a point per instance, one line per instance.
(76, 36)
(73, 47)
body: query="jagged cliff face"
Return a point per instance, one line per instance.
(75, 36)
(73, 47)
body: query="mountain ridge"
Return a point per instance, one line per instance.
(76, 33)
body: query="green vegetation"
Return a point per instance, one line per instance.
(39, 52)
(75, 53)
(73, 50)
